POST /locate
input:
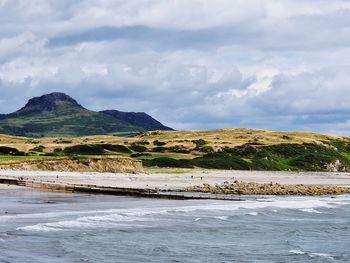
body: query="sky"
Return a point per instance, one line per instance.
(192, 64)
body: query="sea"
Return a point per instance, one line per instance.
(48, 227)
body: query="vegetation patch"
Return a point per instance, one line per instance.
(177, 149)
(62, 141)
(56, 152)
(221, 161)
(39, 148)
(206, 149)
(251, 156)
(138, 148)
(159, 149)
(84, 149)
(199, 142)
(143, 142)
(159, 143)
(4, 150)
(168, 162)
(115, 148)
(137, 155)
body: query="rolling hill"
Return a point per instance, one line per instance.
(57, 114)
(239, 149)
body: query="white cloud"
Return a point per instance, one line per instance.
(192, 64)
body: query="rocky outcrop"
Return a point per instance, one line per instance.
(244, 188)
(110, 165)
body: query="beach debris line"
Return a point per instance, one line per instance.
(247, 188)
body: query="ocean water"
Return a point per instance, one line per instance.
(56, 227)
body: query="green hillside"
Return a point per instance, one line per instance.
(57, 114)
(239, 149)
(64, 122)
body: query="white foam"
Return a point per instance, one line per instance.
(297, 252)
(279, 202)
(322, 255)
(97, 218)
(49, 215)
(37, 228)
(223, 218)
(311, 210)
(253, 213)
(312, 255)
(83, 222)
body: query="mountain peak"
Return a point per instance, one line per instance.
(53, 99)
(48, 103)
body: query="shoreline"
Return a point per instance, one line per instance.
(242, 188)
(174, 186)
(11, 186)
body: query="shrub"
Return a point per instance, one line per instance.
(115, 148)
(270, 165)
(312, 161)
(159, 143)
(39, 148)
(168, 162)
(84, 149)
(199, 142)
(245, 150)
(135, 155)
(206, 149)
(210, 161)
(62, 141)
(159, 149)
(177, 149)
(56, 152)
(4, 150)
(221, 161)
(138, 148)
(144, 142)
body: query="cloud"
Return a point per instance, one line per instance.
(192, 64)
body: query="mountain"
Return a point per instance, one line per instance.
(57, 114)
(140, 119)
(49, 103)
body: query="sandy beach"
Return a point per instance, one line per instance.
(180, 181)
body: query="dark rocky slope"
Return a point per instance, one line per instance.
(140, 119)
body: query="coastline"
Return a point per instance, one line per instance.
(9, 187)
(203, 181)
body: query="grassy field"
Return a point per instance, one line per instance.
(219, 149)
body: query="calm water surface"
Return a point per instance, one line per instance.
(55, 227)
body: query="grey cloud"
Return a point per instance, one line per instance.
(263, 64)
(159, 38)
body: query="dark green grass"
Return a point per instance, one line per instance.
(94, 149)
(281, 157)
(294, 157)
